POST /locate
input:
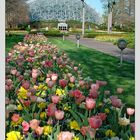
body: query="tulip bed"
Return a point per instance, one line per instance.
(47, 98)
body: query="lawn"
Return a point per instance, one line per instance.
(100, 66)
(12, 40)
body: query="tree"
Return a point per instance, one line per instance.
(123, 13)
(16, 12)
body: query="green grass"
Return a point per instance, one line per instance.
(100, 66)
(12, 40)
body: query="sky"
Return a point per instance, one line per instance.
(96, 4)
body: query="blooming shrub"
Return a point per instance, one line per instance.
(47, 98)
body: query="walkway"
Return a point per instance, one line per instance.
(105, 47)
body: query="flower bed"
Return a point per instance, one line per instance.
(47, 98)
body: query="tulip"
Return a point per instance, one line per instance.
(50, 84)
(102, 116)
(93, 93)
(116, 103)
(120, 90)
(75, 68)
(59, 115)
(63, 83)
(15, 117)
(65, 135)
(39, 130)
(95, 122)
(55, 99)
(25, 126)
(34, 124)
(26, 84)
(101, 83)
(51, 109)
(90, 103)
(84, 130)
(130, 111)
(72, 79)
(13, 71)
(54, 77)
(132, 127)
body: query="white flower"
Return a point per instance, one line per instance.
(39, 100)
(124, 121)
(11, 107)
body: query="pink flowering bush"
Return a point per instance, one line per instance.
(47, 98)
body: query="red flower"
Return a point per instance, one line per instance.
(77, 93)
(51, 109)
(93, 93)
(48, 63)
(101, 83)
(83, 130)
(116, 103)
(63, 83)
(102, 116)
(95, 122)
(26, 84)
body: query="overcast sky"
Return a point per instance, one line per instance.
(96, 4)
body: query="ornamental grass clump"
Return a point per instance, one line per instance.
(47, 98)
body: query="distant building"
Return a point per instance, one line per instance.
(62, 26)
(61, 10)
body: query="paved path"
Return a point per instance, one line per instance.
(105, 47)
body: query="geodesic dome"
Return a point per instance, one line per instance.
(61, 10)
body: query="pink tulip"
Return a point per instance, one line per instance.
(39, 130)
(95, 122)
(13, 71)
(54, 77)
(47, 80)
(59, 115)
(50, 84)
(55, 99)
(33, 98)
(25, 126)
(75, 68)
(84, 130)
(90, 103)
(15, 117)
(95, 86)
(116, 103)
(72, 79)
(130, 111)
(65, 135)
(34, 124)
(101, 83)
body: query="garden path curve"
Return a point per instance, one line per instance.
(105, 47)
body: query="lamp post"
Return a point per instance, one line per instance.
(110, 9)
(83, 18)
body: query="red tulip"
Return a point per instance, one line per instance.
(63, 83)
(93, 93)
(132, 126)
(102, 116)
(51, 109)
(26, 84)
(90, 103)
(77, 93)
(95, 122)
(59, 115)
